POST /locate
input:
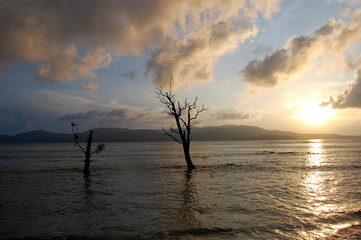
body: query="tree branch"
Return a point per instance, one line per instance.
(76, 136)
(185, 114)
(170, 135)
(183, 121)
(99, 149)
(198, 111)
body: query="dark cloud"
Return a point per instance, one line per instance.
(105, 117)
(329, 27)
(262, 50)
(280, 64)
(82, 116)
(3, 76)
(53, 111)
(51, 34)
(350, 98)
(131, 75)
(299, 52)
(11, 87)
(118, 113)
(265, 72)
(16, 116)
(16, 120)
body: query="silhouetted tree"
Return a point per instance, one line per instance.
(88, 153)
(185, 116)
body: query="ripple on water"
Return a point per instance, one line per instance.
(239, 190)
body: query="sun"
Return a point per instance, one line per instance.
(313, 114)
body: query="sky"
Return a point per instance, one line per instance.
(292, 65)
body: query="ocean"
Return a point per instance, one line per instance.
(299, 189)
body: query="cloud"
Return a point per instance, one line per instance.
(262, 50)
(67, 66)
(53, 110)
(81, 116)
(110, 117)
(88, 87)
(61, 102)
(299, 53)
(191, 60)
(131, 75)
(11, 87)
(350, 98)
(234, 114)
(67, 40)
(13, 116)
(352, 62)
(329, 27)
(14, 120)
(3, 76)
(266, 6)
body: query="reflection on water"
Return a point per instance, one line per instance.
(190, 200)
(240, 190)
(316, 154)
(90, 219)
(317, 189)
(88, 194)
(320, 187)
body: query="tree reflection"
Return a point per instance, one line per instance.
(88, 195)
(90, 220)
(190, 199)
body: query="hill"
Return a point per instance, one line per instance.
(215, 133)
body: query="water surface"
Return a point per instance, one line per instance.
(239, 190)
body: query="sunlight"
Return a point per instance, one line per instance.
(319, 187)
(313, 114)
(316, 157)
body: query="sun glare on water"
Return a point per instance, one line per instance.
(313, 114)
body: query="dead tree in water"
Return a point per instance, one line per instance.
(88, 153)
(185, 116)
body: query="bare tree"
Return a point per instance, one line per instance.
(185, 115)
(88, 153)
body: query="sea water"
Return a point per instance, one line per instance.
(301, 189)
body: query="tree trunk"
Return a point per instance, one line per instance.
(88, 154)
(187, 156)
(185, 144)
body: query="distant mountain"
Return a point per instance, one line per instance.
(216, 133)
(36, 136)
